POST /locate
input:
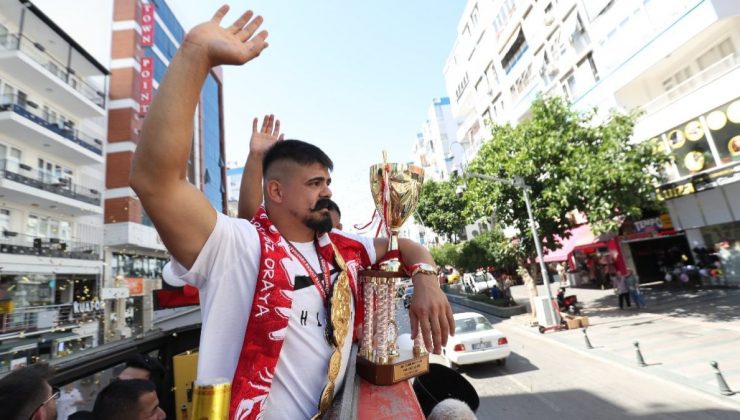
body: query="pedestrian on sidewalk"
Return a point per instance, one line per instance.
(621, 289)
(633, 284)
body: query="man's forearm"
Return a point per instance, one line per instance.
(250, 190)
(164, 147)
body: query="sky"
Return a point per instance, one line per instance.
(354, 78)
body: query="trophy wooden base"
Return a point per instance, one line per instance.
(403, 367)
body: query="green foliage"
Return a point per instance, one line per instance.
(441, 209)
(569, 163)
(491, 248)
(446, 254)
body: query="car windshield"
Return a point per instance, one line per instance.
(473, 324)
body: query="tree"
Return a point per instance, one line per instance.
(569, 163)
(441, 209)
(446, 254)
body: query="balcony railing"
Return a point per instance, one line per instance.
(27, 319)
(37, 52)
(709, 74)
(22, 244)
(29, 110)
(24, 174)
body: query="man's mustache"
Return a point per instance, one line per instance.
(322, 204)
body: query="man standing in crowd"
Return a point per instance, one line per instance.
(25, 393)
(131, 399)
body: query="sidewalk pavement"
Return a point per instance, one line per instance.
(680, 332)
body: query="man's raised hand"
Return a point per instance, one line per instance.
(264, 137)
(235, 44)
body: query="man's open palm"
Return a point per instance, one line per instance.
(235, 44)
(264, 137)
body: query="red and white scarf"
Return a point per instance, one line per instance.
(271, 310)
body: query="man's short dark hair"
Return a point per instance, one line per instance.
(149, 363)
(297, 151)
(120, 399)
(23, 390)
(334, 207)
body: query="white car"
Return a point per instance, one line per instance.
(475, 341)
(479, 282)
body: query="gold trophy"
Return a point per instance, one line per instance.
(395, 188)
(211, 399)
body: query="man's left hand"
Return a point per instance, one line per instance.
(431, 312)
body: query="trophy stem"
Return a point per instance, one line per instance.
(381, 334)
(392, 264)
(366, 347)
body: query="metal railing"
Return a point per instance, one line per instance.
(30, 110)
(709, 74)
(24, 174)
(24, 244)
(37, 52)
(27, 318)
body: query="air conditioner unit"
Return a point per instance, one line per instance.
(546, 314)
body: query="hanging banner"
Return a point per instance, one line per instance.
(145, 84)
(146, 23)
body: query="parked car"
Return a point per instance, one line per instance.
(407, 295)
(479, 282)
(475, 341)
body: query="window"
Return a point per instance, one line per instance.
(568, 84)
(715, 54)
(47, 227)
(466, 31)
(53, 173)
(10, 158)
(474, 16)
(4, 220)
(673, 84)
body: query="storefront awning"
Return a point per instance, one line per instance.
(579, 236)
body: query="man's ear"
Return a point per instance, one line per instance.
(273, 191)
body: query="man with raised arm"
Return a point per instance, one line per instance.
(278, 294)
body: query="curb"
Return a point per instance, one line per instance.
(488, 309)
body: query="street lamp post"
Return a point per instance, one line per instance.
(518, 182)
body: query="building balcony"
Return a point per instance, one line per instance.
(705, 90)
(134, 237)
(21, 119)
(29, 319)
(28, 61)
(22, 244)
(19, 183)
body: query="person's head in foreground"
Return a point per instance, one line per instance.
(132, 399)
(25, 394)
(450, 409)
(336, 215)
(296, 177)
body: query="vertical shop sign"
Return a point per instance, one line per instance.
(146, 23)
(145, 84)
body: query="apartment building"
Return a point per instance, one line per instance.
(146, 35)
(675, 60)
(52, 140)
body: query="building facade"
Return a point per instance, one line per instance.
(675, 60)
(146, 35)
(52, 140)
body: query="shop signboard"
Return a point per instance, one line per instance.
(654, 224)
(704, 152)
(87, 306)
(135, 286)
(114, 293)
(146, 23)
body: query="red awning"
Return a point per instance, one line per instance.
(579, 236)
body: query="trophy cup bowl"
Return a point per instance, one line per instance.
(395, 188)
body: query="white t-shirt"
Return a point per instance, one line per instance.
(225, 273)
